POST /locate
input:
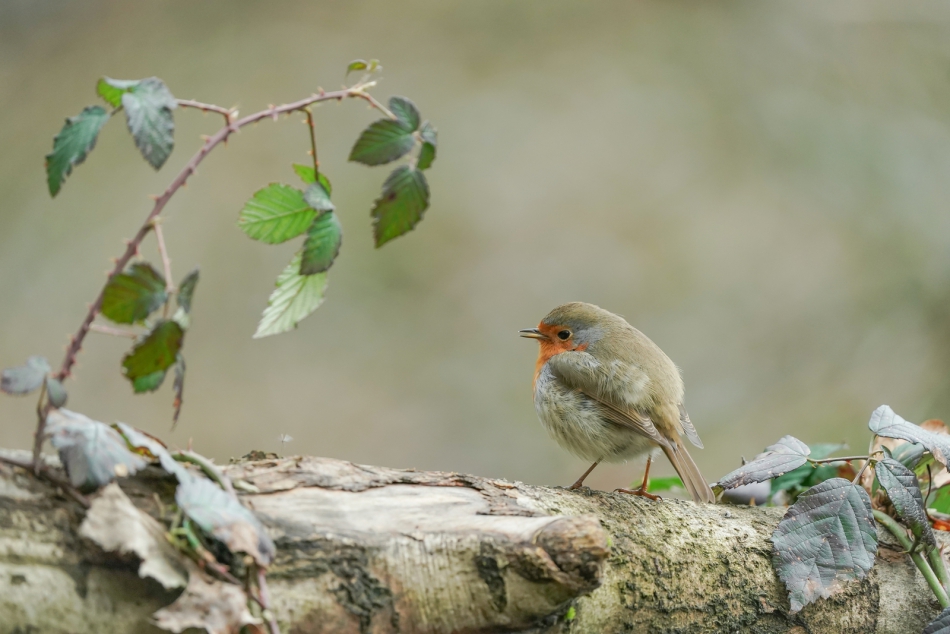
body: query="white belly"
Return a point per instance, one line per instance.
(571, 419)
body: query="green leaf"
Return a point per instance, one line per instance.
(427, 153)
(148, 108)
(355, 65)
(904, 491)
(787, 454)
(179, 386)
(186, 290)
(149, 382)
(809, 475)
(383, 142)
(884, 422)
(25, 378)
(826, 539)
(72, 144)
(400, 208)
(132, 296)
(55, 392)
(908, 454)
(156, 352)
(93, 453)
(223, 516)
(111, 90)
(295, 297)
(322, 245)
(318, 197)
(276, 214)
(940, 625)
(664, 484)
(305, 172)
(405, 111)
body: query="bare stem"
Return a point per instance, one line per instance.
(313, 143)
(845, 459)
(264, 601)
(114, 332)
(166, 263)
(222, 135)
(46, 473)
(227, 113)
(898, 531)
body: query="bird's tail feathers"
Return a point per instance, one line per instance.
(689, 473)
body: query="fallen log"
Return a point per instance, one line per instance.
(365, 549)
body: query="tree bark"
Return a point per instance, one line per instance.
(375, 550)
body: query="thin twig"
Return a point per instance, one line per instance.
(313, 144)
(75, 342)
(114, 332)
(265, 601)
(898, 531)
(227, 113)
(845, 459)
(166, 264)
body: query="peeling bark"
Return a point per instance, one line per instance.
(376, 550)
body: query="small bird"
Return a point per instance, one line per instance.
(607, 393)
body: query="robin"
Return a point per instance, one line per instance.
(607, 393)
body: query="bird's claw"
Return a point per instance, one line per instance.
(639, 493)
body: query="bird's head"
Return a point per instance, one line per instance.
(569, 327)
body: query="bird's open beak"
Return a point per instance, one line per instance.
(533, 333)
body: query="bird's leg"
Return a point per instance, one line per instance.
(642, 491)
(580, 480)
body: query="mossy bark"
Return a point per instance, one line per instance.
(375, 550)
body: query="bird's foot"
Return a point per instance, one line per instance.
(639, 493)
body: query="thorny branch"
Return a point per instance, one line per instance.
(273, 112)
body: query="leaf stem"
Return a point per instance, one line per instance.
(46, 473)
(227, 113)
(898, 531)
(166, 264)
(844, 459)
(114, 332)
(221, 136)
(208, 467)
(313, 144)
(264, 601)
(939, 567)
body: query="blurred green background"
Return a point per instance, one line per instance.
(762, 188)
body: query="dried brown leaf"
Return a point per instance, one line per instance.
(208, 604)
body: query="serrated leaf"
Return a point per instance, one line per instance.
(427, 153)
(116, 525)
(156, 352)
(808, 475)
(405, 198)
(318, 197)
(207, 605)
(148, 106)
(25, 378)
(179, 386)
(132, 296)
(276, 214)
(73, 144)
(322, 245)
(305, 172)
(355, 65)
(223, 516)
(787, 454)
(826, 539)
(55, 392)
(940, 625)
(405, 111)
(382, 142)
(884, 422)
(903, 489)
(93, 453)
(186, 290)
(111, 90)
(295, 297)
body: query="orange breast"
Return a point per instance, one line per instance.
(547, 350)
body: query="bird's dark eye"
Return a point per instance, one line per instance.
(564, 335)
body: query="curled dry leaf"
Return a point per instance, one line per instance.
(116, 525)
(206, 604)
(93, 453)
